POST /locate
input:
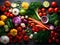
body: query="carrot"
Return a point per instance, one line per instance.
(39, 23)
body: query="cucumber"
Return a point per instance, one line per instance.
(46, 4)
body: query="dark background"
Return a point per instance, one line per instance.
(31, 42)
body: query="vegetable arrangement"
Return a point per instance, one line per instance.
(21, 21)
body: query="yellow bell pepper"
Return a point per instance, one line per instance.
(13, 32)
(2, 23)
(3, 17)
(25, 5)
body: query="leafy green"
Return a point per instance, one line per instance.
(32, 11)
(54, 19)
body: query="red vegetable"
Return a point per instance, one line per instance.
(38, 23)
(56, 10)
(26, 38)
(44, 13)
(3, 8)
(39, 10)
(7, 3)
(43, 10)
(53, 4)
(50, 10)
(40, 14)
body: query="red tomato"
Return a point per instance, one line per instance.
(40, 14)
(50, 10)
(3, 8)
(44, 13)
(53, 4)
(26, 38)
(57, 40)
(7, 3)
(43, 10)
(56, 10)
(39, 10)
(11, 15)
(19, 29)
(49, 40)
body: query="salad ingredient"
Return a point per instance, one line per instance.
(39, 23)
(13, 32)
(51, 27)
(40, 14)
(50, 10)
(4, 39)
(46, 4)
(43, 10)
(56, 10)
(25, 5)
(2, 23)
(13, 5)
(53, 4)
(16, 20)
(23, 25)
(7, 3)
(3, 17)
(22, 11)
(15, 11)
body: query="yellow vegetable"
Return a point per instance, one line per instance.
(3, 17)
(2, 23)
(13, 32)
(25, 5)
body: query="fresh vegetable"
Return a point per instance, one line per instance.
(16, 20)
(50, 10)
(2, 23)
(46, 4)
(40, 14)
(9, 23)
(25, 5)
(7, 3)
(13, 5)
(3, 8)
(3, 17)
(22, 11)
(13, 32)
(4, 39)
(39, 23)
(15, 11)
(53, 4)
(43, 10)
(56, 10)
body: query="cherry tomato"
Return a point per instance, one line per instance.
(3, 8)
(57, 40)
(49, 40)
(7, 3)
(50, 10)
(44, 13)
(19, 29)
(40, 14)
(11, 15)
(53, 4)
(39, 10)
(43, 10)
(56, 10)
(23, 32)
(26, 38)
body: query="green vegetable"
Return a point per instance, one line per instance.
(41, 36)
(22, 11)
(9, 23)
(54, 19)
(2, 31)
(33, 10)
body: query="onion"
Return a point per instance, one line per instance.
(24, 20)
(16, 20)
(51, 27)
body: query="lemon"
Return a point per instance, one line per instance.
(3, 17)
(2, 23)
